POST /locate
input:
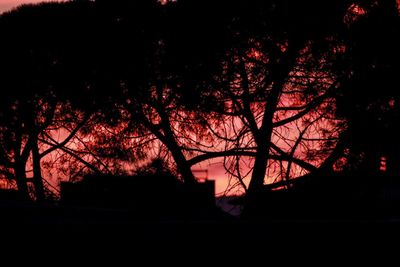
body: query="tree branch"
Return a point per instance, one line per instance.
(66, 140)
(234, 152)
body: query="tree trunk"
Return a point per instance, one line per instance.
(19, 167)
(20, 178)
(264, 134)
(169, 140)
(260, 168)
(37, 173)
(263, 139)
(181, 162)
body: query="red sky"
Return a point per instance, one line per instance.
(9, 4)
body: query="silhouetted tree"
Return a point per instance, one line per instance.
(276, 78)
(42, 93)
(369, 98)
(253, 82)
(151, 76)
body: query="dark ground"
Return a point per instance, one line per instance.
(70, 222)
(116, 238)
(121, 237)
